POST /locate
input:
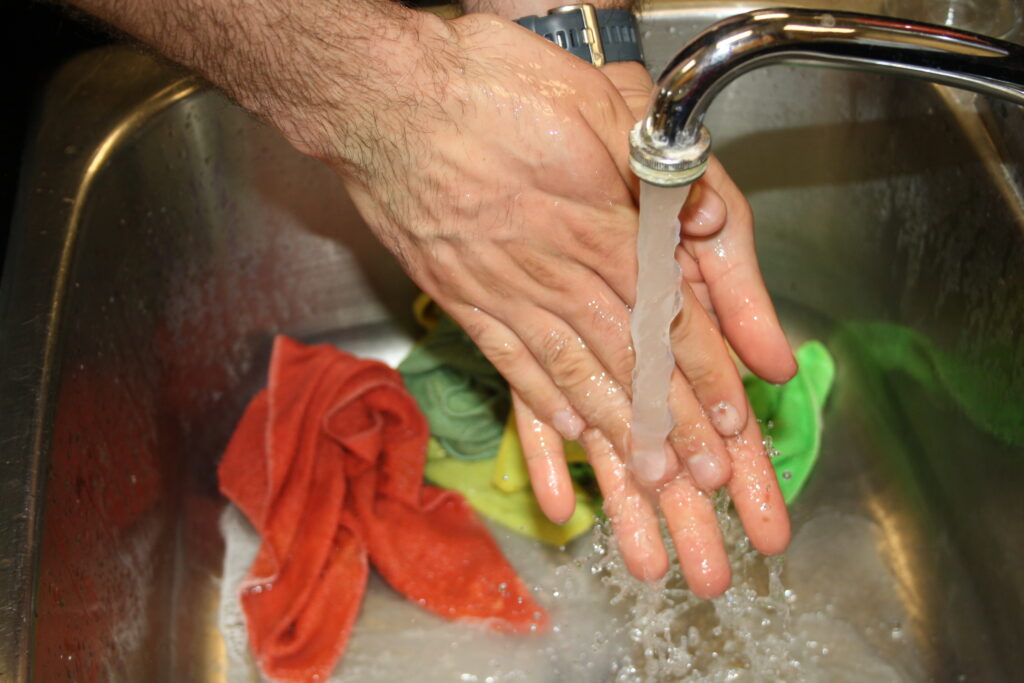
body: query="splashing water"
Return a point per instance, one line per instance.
(828, 611)
(762, 629)
(658, 302)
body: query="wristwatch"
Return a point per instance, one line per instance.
(598, 36)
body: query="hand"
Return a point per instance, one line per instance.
(720, 271)
(513, 278)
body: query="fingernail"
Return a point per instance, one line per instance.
(705, 470)
(702, 217)
(569, 424)
(648, 466)
(726, 419)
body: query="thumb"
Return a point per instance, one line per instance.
(633, 83)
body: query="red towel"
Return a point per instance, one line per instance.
(327, 464)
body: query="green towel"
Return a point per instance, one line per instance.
(463, 397)
(991, 397)
(791, 415)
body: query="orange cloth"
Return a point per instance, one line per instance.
(327, 464)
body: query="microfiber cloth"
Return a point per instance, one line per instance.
(791, 415)
(499, 489)
(991, 397)
(327, 465)
(465, 399)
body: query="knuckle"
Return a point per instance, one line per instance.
(612, 332)
(572, 372)
(544, 269)
(621, 361)
(551, 348)
(500, 348)
(605, 237)
(693, 435)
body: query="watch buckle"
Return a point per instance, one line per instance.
(591, 30)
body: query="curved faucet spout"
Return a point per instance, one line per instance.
(669, 145)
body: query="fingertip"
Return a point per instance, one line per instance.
(652, 469)
(552, 484)
(712, 583)
(558, 508)
(729, 417)
(765, 350)
(708, 471)
(780, 372)
(647, 567)
(704, 213)
(568, 423)
(773, 538)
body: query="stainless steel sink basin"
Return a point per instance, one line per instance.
(163, 236)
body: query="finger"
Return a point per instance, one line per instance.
(695, 441)
(693, 277)
(633, 83)
(728, 262)
(690, 515)
(703, 358)
(756, 494)
(517, 365)
(602, 321)
(545, 460)
(598, 397)
(704, 212)
(633, 517)
(611, 120)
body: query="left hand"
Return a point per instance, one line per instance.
(720, 270)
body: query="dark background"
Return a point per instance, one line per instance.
(39, 37)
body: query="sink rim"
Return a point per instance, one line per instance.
(43, 235)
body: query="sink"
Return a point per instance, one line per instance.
(163, 236)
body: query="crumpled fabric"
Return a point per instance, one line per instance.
(327, 465)
(465, 400)
(791, 415)
(499, 489)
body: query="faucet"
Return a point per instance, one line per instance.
(670, 145)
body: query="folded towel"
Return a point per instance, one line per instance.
(327, 464)
(791, 415)
(499, 489)
(464, 398)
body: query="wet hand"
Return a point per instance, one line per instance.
(504, 190)
(721, 273)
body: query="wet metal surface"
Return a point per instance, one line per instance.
(163, 236)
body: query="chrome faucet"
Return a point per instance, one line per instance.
(670, 145)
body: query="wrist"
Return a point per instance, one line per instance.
(343, 89)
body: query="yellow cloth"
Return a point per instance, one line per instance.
(499, 489)
(510, 473)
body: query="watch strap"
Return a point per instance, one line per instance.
(568, 28)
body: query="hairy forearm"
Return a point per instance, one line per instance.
(319, 71)
(513, 9)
